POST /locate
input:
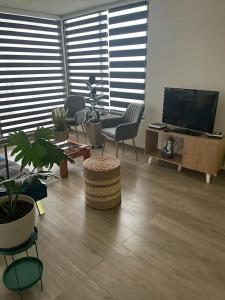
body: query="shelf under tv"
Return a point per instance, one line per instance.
(200, 153)
(176, 160)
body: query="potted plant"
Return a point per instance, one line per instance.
(59, 117)
(17, 209)
(17, 212)
(92, 119)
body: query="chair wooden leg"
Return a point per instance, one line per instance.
(123, 146)
(135, 149)
(117, 148)
(103, 146)
(76, 133)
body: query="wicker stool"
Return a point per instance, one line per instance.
(102, 182)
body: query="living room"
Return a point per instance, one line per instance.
(162, 236)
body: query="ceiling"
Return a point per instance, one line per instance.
(54, 7)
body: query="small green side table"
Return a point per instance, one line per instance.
(22, 273)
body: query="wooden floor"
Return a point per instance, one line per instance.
(165, 242)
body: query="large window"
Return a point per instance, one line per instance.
(87, 52)
(110, 44)
(31, 71)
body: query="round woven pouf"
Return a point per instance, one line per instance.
(102, 182)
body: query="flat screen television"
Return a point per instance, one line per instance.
(191, 109)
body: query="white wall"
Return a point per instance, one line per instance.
(187, 50)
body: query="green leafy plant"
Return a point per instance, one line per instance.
(12, 187)
(37, 152)
(59, 117)
(93, 99)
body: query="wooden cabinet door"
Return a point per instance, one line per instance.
(202, 154)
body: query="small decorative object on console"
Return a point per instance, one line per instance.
(157, 125)
(218, 135)
(168, 149)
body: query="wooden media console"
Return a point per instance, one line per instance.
(198, 153)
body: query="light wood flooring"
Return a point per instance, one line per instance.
(165, 242)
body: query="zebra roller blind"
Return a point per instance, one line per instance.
(127, 54)
(112, 45)
(31, 71)
(87, 52)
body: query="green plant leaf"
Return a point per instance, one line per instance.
(43, 133)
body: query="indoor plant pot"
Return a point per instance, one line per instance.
(17, 231)
(59, 119)
(92, 122)
(61, 135)
(93, 131)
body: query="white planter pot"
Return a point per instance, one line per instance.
(16, 232)
(93, 131)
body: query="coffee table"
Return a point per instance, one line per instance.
(74, 149)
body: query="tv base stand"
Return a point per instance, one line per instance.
(200, 153)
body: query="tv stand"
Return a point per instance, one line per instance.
(184, 131)
(200, 153)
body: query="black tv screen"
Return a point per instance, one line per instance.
(191, 109)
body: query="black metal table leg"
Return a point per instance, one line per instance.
(6, 161)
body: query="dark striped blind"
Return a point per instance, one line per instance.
(31, 71)
(112, 45)
(86, 40)
(127, 53)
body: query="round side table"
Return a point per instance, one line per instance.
(102, 182)
(25, 272)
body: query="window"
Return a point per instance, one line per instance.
(127, 54)
(87, 52)
(112, 45)
(31, 71)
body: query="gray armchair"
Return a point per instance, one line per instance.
(76, 112)
(124, 127)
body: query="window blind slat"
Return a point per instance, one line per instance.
(126, 53)
(11, 87)
(30, 93)
(127, 85)
(128, 42)
(23, 79)
(128, 6)
(14, 49)
(29, 43)
(36, 98)
(29, 112)
(132, 75)
(69, 24)
(13, 109)
(39, 21)
(31, 35)
(88, 52)
(127, 64)
(99, 35)
(87, 29)
(98, 44)
(27, 27)
(128, 29)
(31, 72)
(128, 17)
(28, 58)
